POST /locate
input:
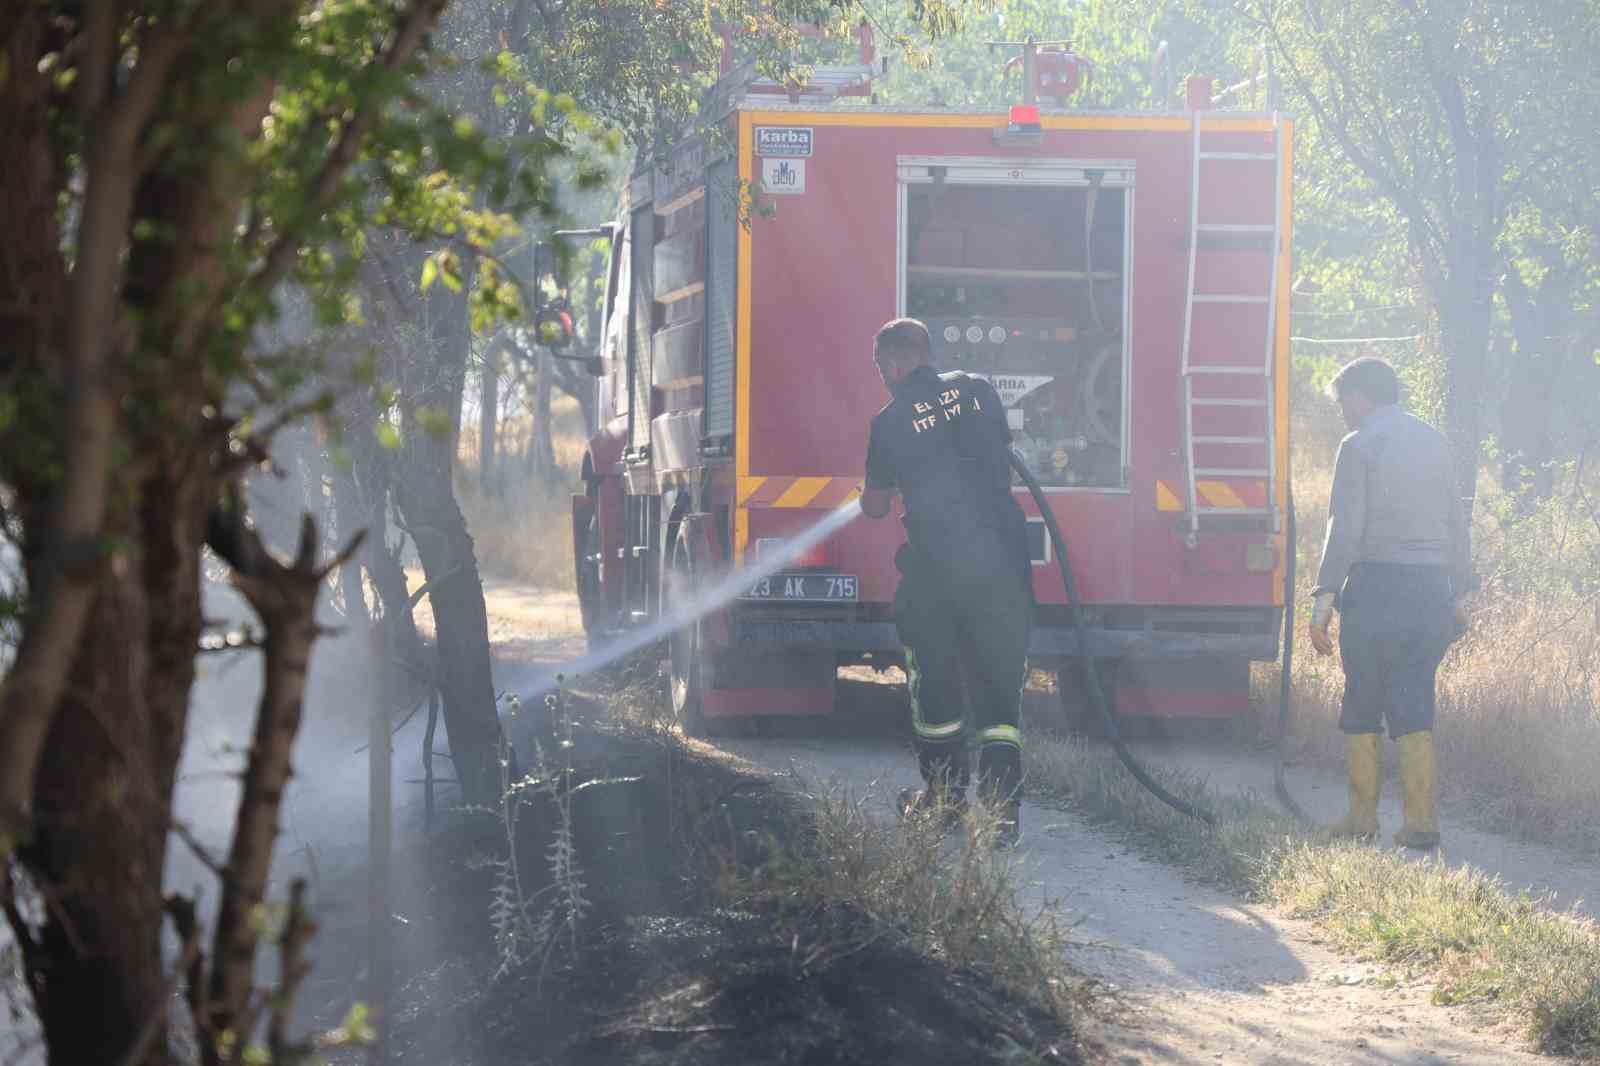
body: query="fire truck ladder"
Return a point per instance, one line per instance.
(1213, 459)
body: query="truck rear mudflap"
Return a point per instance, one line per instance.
(1045, 642)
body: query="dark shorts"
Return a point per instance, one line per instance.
(1395, 624)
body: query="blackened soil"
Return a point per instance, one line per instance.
(664, 971)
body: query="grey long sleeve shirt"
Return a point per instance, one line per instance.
(1395, 501)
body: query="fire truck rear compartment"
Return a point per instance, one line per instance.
(1024, 285)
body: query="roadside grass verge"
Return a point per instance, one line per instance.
(1481, 944)
(951, 896)
(837, 877)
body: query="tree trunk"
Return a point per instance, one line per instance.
(104, 789)
(424, 491)
(1464, 318)
(461, 619)
(541, 446)
(489, 420)
(285, 599)
(1525, 413)
(351, 518)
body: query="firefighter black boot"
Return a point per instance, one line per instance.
(945, 805)
(944, 798)
(1000, 782)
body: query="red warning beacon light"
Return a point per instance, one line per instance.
(1024, 119)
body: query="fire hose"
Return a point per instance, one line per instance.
(1284, 677)
(1097, 694)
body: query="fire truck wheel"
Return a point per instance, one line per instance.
(686, 675)
(586, 557)
(1077, 702)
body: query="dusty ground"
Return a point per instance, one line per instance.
(1571, 882)
(1203, 977)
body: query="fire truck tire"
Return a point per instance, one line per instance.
(1078, 704)
(686, 673)
(586, 559)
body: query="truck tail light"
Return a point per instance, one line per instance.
(1025, 117)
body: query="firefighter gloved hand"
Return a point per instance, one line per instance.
(1321, 616)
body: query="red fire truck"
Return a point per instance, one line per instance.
(1121, 279)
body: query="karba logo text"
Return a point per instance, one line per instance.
(783, 140)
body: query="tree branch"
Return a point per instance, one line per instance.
(285, 598)
(407, 36)
(293, 969)
(153, 1024)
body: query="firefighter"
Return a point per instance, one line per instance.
(964, 602)
(1397, 563)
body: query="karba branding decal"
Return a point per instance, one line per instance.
(791, 141)
(1013, 387)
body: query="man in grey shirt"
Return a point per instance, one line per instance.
(1398, 562)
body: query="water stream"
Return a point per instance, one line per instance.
(725, 590)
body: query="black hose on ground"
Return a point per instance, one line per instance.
(1285, 679)
(1097, 694)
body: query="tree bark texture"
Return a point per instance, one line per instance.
(489, 421)
(350, 516)
(105, 784)
(461, 618)
(541, 443)
(424, 492)
(285, 598)
(68, 355)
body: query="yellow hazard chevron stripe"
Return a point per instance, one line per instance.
(1229, 495)
(748, 487)
(784, 491)
(1165, 500)
(802, 492)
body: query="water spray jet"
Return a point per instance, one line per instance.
(726, 589)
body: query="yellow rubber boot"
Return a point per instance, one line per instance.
(1361, 757)
(1419, 783)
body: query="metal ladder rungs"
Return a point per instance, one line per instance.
(1263, 370)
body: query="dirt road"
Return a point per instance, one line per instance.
(1202, 977)
(1206, 978)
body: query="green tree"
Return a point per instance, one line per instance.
(175, 164)
(1440, 106)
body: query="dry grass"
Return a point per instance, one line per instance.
(1480, 944)
(1519, 696)
(864, 879)
(841, 879)
(524, 531)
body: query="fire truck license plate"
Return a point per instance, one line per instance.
(803, 588)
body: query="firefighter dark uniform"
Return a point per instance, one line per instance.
(964, 603)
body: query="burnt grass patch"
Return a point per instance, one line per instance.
(660, 915)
